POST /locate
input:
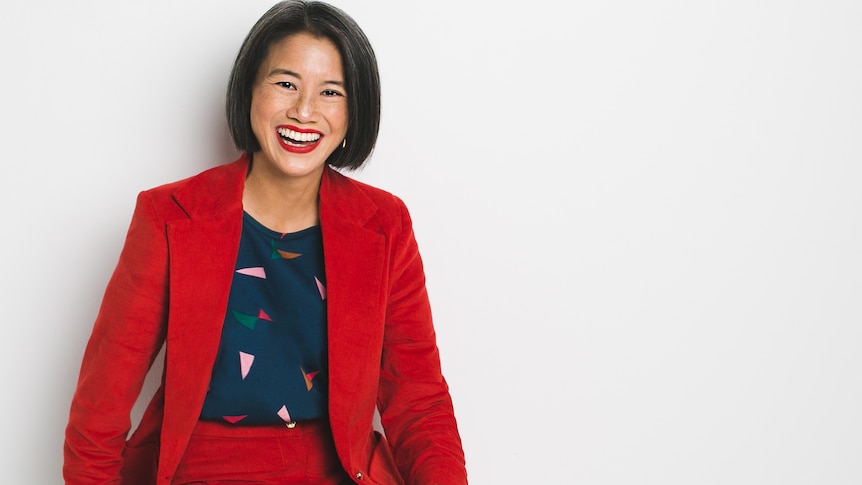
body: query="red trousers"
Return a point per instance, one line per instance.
(221, 454)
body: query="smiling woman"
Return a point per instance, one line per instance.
(291, 298)
(299, 117)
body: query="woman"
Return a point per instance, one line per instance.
(290, 298)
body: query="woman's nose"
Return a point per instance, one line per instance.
(303, 109)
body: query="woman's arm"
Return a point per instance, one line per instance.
(127, 335)
(416, 409)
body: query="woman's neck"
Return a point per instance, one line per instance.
(281, 204)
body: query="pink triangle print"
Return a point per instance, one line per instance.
(284, 415)
(234, 419)
(320, 288)
(257, 272)
(263, 316)
(245, 361)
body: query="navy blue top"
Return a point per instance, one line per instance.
(271, 362)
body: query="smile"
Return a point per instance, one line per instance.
(296, 141)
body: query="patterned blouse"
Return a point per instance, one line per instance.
(271, 362)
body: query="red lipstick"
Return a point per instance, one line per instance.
(288, 137)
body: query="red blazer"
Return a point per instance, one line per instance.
(171, 285)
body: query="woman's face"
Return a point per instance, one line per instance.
(299, 106)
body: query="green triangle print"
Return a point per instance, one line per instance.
(247, 321)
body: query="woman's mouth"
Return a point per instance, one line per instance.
(298, 141)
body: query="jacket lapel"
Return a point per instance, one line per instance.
(354, 255)
(203, 250)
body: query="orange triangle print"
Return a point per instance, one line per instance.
(308, 376)
(287, 254)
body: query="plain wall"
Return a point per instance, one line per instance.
(641, 221)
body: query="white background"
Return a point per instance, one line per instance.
(641, 220)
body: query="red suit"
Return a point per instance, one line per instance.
(171, 285)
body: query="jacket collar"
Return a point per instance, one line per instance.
(219, 190)
(343, 201)
(213, 192)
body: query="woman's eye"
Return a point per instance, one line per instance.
(286, 84)
(330, 92)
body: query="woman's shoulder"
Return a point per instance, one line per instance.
(349, 187)
(224, 174)
(356, 200)
(212, 191)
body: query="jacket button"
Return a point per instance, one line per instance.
(359, 476)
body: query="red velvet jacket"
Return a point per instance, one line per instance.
(171, 285)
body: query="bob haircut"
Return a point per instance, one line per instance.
(362, 78)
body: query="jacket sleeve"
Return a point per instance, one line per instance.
(127, 335)
(415, 406)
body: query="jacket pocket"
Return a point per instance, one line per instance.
(140, 464)
(381, 466)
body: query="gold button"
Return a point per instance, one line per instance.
(359, 475)
(291, 424)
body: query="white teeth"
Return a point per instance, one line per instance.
(297, 136)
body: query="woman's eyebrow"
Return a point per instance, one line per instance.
(279, 70)
(288, 72)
